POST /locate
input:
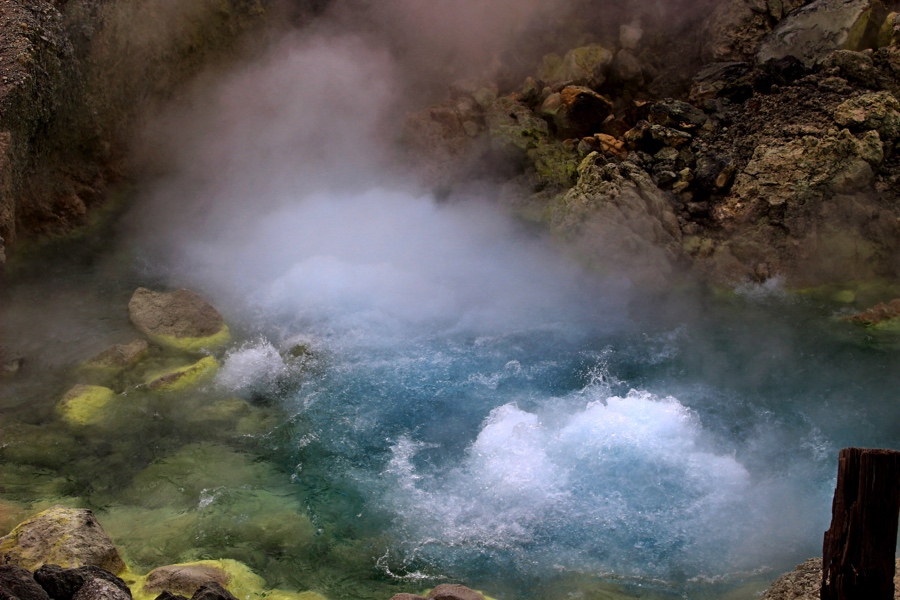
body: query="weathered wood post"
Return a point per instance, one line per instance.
(858, 551)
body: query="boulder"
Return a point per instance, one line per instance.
(584, 66)
(17, 583)
(576, 111)
(119, 356)
(181, 319)
(878, 111)
(616, 215)
(809, 167)
(454, 591)
(815, 30)
(85, 404)
(183, 377)
(184, 579)
(734, 28)
(69, 537)
(64, 584)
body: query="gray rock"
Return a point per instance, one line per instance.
(812, 32)
(64, 584)
(212, 591)
(120, 355)
(616, 215)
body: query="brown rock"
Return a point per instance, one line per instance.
(173, 316)
(805, 583)
(877, 314)
(120, 355)
(454, 591)
(576, 111)
(184, 579)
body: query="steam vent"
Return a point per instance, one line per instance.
(449, 300)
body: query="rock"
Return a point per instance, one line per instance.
(730, 80)
(878, 111)
(815, 30)
(119, 356)
(854, 66)
(676, 114)
(85, 404)
(16, 583)
(512, 128)
(801, 169)
(734, 28)
(584, 66)
(69, 537)
(454, 591)
(881, 315)
(64, 584)
(576, 111)
(184, 377)
(170, 596)
(101, 589)
(184, 578)
(212, 591)
(626, 69)
(181, 319)
(407, 597)
(805, 583)
(616, 215)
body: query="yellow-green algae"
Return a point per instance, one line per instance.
(193, 344)
(184, 377)
(85, 404)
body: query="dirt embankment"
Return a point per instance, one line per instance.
(74, 76)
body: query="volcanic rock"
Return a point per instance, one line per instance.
(676, 114)
(576, 111)
(616, 215)
(120, 356)
(101, 589)
(179, 319)
(64, 584)
(878, 111)
(805, 583)
(69, 537)
(212, 591)
(16, 583)
(815, 30)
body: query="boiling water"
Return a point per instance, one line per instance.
(460, 404)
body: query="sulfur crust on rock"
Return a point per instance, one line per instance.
(185, 377)
(193, 344)
(85, 404)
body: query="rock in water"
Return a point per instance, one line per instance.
(454, 591)
(17, 583)
(181, 319)
(185, 578)
(69, 537)
(812, 32)
(212, 591)
(119, 356)
(85, 404)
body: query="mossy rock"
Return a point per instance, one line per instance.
(85, 404)
(238, 579)
(184, 377)
(68, 537)
(180, 320)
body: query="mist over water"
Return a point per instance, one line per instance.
(498, 412)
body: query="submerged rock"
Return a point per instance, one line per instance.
(119, 356)
(69, 537)
(85, 404)
(185, 579)
(181, 319)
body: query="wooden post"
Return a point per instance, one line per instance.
(859, 548)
